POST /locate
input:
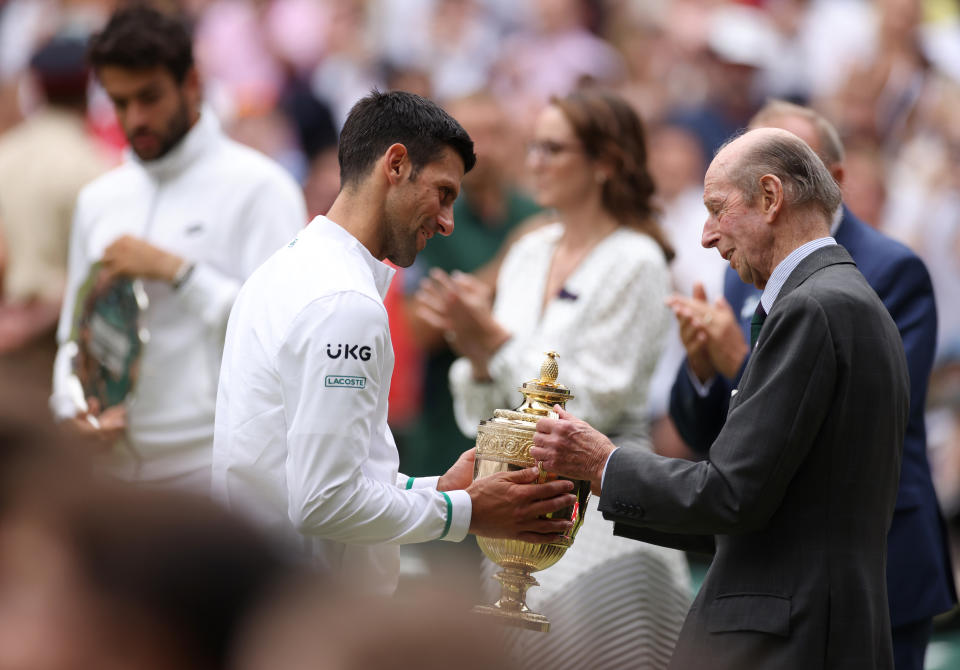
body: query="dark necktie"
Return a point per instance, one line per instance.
(756, 323)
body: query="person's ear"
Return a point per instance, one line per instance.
(771, 196)
(837, 172)
(602, 171)
(396, 164)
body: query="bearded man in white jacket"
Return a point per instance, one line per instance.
(302, 443)
(191, 213)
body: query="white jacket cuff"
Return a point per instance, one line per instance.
(461, 509)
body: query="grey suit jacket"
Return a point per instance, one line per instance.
(798, 490)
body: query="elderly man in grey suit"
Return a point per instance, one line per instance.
(798, 490)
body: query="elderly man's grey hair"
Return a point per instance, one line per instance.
(806, 180)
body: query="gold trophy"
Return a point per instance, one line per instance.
(503, 444)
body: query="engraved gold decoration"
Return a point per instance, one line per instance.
(503, 444)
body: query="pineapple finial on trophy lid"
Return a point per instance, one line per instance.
(541, 394)
(549, 369)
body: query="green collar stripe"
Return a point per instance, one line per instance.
(410, 483)
(446, 526)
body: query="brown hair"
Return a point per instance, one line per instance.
(612, 132)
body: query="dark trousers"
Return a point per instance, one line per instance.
(910, 644)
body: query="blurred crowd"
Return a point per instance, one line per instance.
(282, 75)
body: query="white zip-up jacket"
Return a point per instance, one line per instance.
(302, 444)
(218, 204)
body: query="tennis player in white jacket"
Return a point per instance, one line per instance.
(190, 212)
(302, 443)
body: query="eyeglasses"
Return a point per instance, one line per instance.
(549, 149)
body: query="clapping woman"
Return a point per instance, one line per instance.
(590, 286)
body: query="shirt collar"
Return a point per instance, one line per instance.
(204, 133)
(381, 272)
(784, 269)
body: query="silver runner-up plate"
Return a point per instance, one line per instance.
(109, 336)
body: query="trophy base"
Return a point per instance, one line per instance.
(528, 620)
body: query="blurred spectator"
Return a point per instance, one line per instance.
(662, 72)
(943, 426)
(924, 203)
(833, 36)
(271, 132)
(552, 57)
(465, 46)
(308, 628)
(322, 182)
(96, 575)
(24, 25)
(248, 50)
(739, 43)
(881, 93)
(44, 162)
(190, 212)
(488, 210)
(864, 182)
(677, 164)
(100, 576)
(350, 66)
(311, 120)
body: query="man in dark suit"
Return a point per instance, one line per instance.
(799, 487)
(919, 577)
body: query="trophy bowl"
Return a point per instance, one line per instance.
(503, 444)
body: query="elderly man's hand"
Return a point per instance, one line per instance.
(572, 448)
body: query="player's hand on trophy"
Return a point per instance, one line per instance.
(513, 505)
(571, 448)
(460, 474)
(130, 256)
(101, 429)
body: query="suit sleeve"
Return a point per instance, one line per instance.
(700, 544)
(907, 293)
(769, 431)
(330, 428)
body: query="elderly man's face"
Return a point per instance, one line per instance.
(735, 227)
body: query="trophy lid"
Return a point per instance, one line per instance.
(541, 394)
